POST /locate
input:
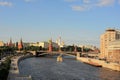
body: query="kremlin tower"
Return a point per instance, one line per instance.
(20, 45)
(10, 44)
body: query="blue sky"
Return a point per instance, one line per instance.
(76, 21)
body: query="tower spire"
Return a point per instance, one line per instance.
(20, 44)
(10, 42)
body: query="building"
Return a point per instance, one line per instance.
(25, 44)
(20, 45)
(1, 43)
(33, 44)
(114, 51)
(88, 46)
(16, 44)
(106, 38)
(10, 44)
(60, 42)
(118, 35)
(44, 44)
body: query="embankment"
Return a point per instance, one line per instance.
(113, 66)
(14, 69)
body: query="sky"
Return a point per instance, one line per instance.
(76, 21)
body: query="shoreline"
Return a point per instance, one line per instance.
(112, 66)
(15, 75)
(14, 69)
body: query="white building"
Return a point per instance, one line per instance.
(88, 46)
(44, 44)
(60, 42)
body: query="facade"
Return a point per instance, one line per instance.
(118, 35)
(33, 44)
(26, 44)
(60, 42)
(1, 43)
(44, 44)
(114, 51)
(88, 46)
(105, 39)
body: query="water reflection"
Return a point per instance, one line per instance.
(108, 74)
(70, 69)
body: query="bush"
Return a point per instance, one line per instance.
(4, 69)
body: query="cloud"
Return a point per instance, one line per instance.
(5, 3)
(86, 1)
(79, 8)
(83, 5)
(103, 3)
(119, 1)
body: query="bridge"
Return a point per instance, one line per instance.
(42, 53)
(51, 52)
(74, 53)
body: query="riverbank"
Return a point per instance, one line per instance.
(113, 66)
(4, 67)
(14, 69)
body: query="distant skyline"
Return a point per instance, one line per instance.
(76, 21)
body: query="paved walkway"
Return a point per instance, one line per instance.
(14, 70)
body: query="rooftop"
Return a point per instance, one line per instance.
(110, 29)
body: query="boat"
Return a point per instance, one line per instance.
(93, 64)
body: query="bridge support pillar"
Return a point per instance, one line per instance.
(50, 45)
(59, 49)
(59, 59)
(78, 54)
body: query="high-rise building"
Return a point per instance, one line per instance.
(105, 40)
(118, 35)
(114, 51)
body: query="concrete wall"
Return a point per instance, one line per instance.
(14, 69)
(113, 66)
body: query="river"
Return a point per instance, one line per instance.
(47, 68)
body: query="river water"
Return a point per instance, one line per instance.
(47, 68)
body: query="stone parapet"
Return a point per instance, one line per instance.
(14, 69)
(113, 66)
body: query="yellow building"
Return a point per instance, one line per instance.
(1, 43)
(114, 51)
(105, 40)
(44, 44)
(33, 44)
